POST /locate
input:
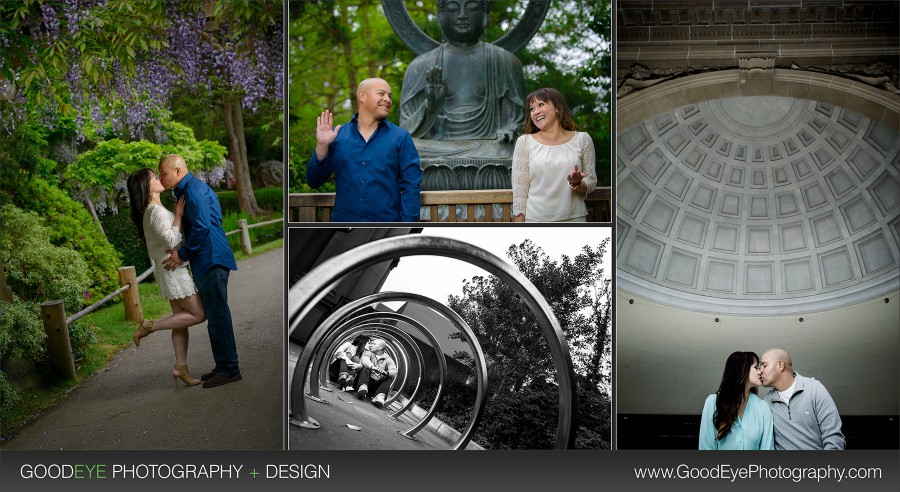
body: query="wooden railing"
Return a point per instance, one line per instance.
(447, 206)
(244, 229)
(56, 324)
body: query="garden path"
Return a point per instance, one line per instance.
(132, 402)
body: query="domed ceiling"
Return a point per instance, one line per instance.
(758, 205)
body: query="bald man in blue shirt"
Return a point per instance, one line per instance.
(207, 248)
(375, 163)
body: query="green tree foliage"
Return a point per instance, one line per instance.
(263, 128)
(21, 331)
(505, 326)
(270, 198)
(37, 270)
(21, 337)
(332, 47)
(572, 53)
(113, 67)
(37, 55)
(101, 172)
(521, 373)
(68, 225)
(21, 157)
(122, 234)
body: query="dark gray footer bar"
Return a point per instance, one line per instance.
(435, 471)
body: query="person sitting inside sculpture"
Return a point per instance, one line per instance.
(378, 370)
(464, 98)
(345, 362)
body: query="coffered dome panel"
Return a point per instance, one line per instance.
(759, 205)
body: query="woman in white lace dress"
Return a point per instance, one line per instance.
(160, 229)
(553, 165)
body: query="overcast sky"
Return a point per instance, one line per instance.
(438, 277)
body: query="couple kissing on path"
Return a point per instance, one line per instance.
(193, 233)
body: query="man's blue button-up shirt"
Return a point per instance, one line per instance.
(376, 181)
(205, 244)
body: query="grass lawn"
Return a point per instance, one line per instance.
(113, 334)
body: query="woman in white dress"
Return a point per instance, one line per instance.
(160, 230)
(553, 164)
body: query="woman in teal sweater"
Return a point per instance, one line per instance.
(733, 417)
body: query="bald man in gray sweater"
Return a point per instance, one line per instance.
(805, 415)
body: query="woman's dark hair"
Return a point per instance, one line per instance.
(731, 391)
(361, 340)
(139, 197)
(549, 94)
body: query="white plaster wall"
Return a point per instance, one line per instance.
(668, 359)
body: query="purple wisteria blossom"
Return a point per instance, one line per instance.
(134, 100)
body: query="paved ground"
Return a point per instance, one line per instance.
(377, 429)
(133, 404)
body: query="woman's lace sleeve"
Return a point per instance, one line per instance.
(521, 177)
(161, 223)
(588, 163)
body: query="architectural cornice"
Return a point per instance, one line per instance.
(877, 104)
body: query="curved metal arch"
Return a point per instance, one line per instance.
(328, 330)
(378, 328)
(333, 345)
(314, 286)
(320, 368)
(419, 42)
(382, 327)
(477, 354)
(480, 363)
(338, 334)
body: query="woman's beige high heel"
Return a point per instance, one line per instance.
(181, 372)
(145, 329)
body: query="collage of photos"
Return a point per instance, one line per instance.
(629, 230)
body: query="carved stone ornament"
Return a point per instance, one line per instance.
(754, 66)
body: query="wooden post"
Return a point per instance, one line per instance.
(246, 246)
(131, 297)
(306, 214)
(59, 348)
(5, 291)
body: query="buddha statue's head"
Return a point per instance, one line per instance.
(463, 21)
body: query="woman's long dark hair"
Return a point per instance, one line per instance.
(559, 101)
(360, 341)
(139, 197)
(731, 391)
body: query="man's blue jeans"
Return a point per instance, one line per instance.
(213, 288)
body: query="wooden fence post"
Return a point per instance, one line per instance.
(246, 246)
(5, 291)
(131, 297)
(59, 348)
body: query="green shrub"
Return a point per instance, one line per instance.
(21, 337)
(71, 226)
(20, 157)
(122, 234)
(21, 331)
(36, 270)
(81, 336)
(8, 396)
(258, 235)
(267, 198)
(200, 155)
